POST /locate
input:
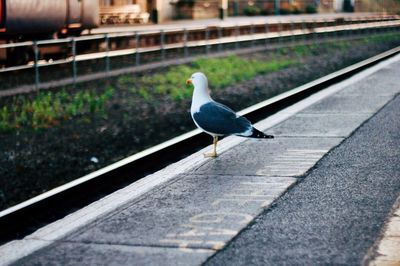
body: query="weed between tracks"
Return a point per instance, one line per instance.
(52, 137)
(49, 109)
(221, 72)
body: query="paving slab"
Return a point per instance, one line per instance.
(99, 254)
(389, 248)
(349, 104)
(386, 249)
(193, 211)
(383, 83)
(277, 157)
(319, 125)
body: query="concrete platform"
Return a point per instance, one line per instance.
(229, 21)
(334, 213)
(188, 212)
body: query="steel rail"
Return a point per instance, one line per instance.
(26, 217)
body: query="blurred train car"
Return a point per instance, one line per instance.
(22, 20)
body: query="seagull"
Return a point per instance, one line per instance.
(215, 118)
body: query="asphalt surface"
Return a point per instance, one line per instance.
(334, 214)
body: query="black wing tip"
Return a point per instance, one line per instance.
(260, 135)
(268, 136)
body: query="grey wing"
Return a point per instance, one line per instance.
(219, 119)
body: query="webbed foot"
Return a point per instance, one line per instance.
(210, 155)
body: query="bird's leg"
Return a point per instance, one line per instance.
(215, 145)
(214, 152)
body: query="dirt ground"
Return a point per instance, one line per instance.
(34, 161)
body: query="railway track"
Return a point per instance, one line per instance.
(24, 218)
(109, 53)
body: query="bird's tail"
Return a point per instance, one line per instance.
(260, 135)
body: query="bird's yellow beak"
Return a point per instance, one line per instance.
(189, 81)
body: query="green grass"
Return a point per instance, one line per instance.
(47, 109)
(221, 72)
(382, 38)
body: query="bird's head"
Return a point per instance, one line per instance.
(199, 80)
